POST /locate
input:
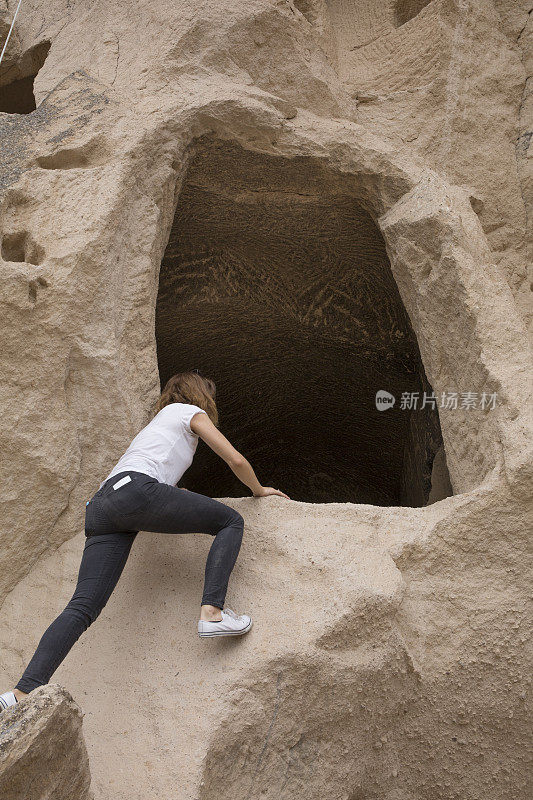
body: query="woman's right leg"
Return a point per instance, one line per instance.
(143, 503)
(173, 510)
(102, 563)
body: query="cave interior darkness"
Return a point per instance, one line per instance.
(276, 283)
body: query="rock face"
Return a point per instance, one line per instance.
(42, 751)
(311, 201)
(387, 656)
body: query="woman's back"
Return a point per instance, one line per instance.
(165, 447)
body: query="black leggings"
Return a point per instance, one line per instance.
(113, 517)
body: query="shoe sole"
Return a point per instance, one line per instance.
(226, 633)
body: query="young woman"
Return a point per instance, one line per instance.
(140, 493)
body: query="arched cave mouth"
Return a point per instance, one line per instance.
(276, 283)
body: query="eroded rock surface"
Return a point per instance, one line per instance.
(42, 750)
(387, 657)
(352, 182)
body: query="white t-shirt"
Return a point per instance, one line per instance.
(164, 448)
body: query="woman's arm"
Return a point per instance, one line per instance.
(210, 434)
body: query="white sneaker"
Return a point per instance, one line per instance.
(7, 699)
(231, 624)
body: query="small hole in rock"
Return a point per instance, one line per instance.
(92, 154)
(405, 10)
(13, 248)
(308, 9)
(476, 203)
(21, 247)
(16, 95)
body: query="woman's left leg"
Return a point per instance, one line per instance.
(143, 504)
(102, 563)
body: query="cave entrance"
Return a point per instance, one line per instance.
(277, 284)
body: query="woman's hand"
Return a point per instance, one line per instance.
(265, 491)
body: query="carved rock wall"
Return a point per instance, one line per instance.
(406, 122)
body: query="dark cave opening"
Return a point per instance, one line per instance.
(16, 93)
(276, 283)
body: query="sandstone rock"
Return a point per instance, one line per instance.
(351, 180)
(387, 656)
(469, 117)
(42, 751)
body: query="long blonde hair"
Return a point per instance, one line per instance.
(190, 387)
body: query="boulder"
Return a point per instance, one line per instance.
(42, 750)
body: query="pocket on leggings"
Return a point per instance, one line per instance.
(128, 499)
